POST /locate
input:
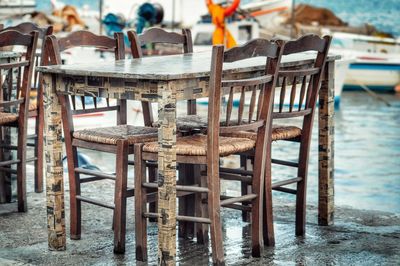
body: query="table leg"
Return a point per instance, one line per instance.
(326, 146)
(53, 166)
(167, 175)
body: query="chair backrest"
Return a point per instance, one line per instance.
(54, 48)
(300, 86)
(27, 27)
(160, 36)
(17, 84)
(260, 87)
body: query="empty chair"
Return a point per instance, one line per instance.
(207, 149)
(296, 100)
(111, 139)
(14, 106)
(36, 106)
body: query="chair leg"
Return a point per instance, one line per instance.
(38, 163)
(120, 196)
(186, 203)
(140, 205)
(302, 190)
(74, 190)
(21, 168)
(201, 208)
(152, 178)
(257, 205)
(268, 229)
(244, 188)
(215, 215)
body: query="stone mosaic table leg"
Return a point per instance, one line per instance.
(53, 167)
(167, 175)
(326, 147)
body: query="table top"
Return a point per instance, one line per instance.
(170, 67)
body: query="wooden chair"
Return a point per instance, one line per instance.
(207, 150)
(306, 80)
(14, 108)
(36, 107)
(113, 139)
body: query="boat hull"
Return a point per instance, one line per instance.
(380, 77)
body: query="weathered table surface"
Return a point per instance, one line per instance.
(164, 80)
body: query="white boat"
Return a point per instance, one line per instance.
(376, 64)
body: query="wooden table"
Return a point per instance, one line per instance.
(164, 80)
(5, 178)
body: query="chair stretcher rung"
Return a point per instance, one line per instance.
(180, 218)
(235, 177)
(148, 164)
(235, 171)
(95, 202)
(32, 159)
(287, 163)
(238, 207)
(33, 136)
(286, 190)
(94, 173)
(286, 182)
(9, 162)
(193, 188)
(8, 147)
(9, 170)
(231, 200)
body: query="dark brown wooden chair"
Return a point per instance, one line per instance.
(14, 108)
(36, 106)
(304, 81)
(113, 139)
(207, 149)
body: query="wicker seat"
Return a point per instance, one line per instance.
(6, 118)
(279, 132)
(110, 135)
(197, 145)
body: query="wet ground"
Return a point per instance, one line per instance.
(358, 237)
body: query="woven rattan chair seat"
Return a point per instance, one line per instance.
(196, 145)
(110, 135)
(6, 118)
(278, 133)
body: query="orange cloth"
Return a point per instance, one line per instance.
(221, 34)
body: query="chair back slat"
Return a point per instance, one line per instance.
(250, 92)
(159, 36)
(16, 75)
(252, 103)
(307, 76)
(302, 92)
(282, 95)
(292, 93)
(54, 48)
(229, 107)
